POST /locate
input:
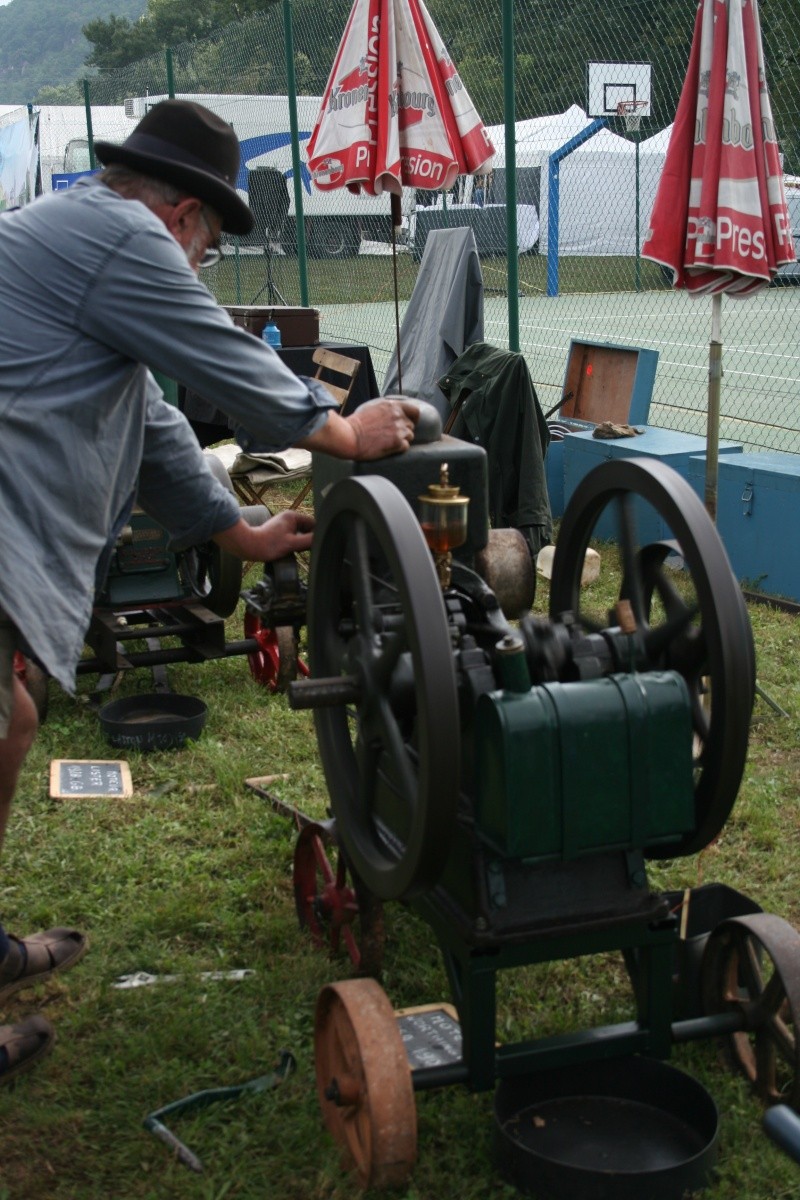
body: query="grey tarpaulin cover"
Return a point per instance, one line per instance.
(444, 316)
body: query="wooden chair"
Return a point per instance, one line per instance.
(342, 368)
(339, 365)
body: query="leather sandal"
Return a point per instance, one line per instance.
(44, 953)
(24, 1045)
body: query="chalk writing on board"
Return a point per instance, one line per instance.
(81, 778)
(431, 1039)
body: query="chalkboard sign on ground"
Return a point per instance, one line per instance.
(82, 778)
(431, 1035)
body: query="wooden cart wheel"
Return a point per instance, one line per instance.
(331, 904)
(751, 965)
(364, 1082)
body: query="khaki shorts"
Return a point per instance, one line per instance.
(8, 644)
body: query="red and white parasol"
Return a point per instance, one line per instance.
(719, 220)
(395, 112)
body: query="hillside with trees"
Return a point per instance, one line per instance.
(46, 43)
(42, 44)
(117, 41)
(554, 41)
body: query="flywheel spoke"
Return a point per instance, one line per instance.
(628, 547)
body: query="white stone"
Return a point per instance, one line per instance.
(591, 565)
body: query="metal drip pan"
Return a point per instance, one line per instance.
(627, 1129)
(153, 720)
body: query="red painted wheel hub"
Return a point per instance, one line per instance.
(275, 662)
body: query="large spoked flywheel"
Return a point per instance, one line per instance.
(390, 742)
(691, 620)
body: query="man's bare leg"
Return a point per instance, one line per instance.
(23, 1044)
(14, 748)
(24, 961)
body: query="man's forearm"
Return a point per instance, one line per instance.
(336, 437)
(375, 429)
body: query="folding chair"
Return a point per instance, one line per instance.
(341, 367)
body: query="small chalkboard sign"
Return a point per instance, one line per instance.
(81, 778)
(431, 1035)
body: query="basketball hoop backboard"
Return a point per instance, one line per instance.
(611, 84)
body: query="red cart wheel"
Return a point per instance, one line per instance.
(329, 906)
(275, 663)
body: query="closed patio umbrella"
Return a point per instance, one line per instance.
(719, 220)
(395, 112)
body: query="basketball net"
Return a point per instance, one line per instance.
(632, 111)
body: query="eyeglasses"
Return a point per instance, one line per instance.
(214, 252)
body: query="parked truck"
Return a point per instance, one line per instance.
(335, 222)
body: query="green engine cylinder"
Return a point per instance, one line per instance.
(566, 770)
(142, 568)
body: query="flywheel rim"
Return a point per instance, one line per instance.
(359, 516)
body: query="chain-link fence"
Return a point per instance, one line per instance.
(590, 285)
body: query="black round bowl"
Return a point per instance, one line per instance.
(625, 1129)
(153, 721)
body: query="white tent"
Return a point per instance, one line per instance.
(657, 144)
(11, 112)
(538, 137)
(600, 183)
(597, 182)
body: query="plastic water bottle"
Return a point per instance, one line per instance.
(271, 334)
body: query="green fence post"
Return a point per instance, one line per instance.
(291, 88)
(638, 220)
(87, 101)
(170, 74)
(512, 252)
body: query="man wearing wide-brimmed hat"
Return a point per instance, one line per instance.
(99, 286)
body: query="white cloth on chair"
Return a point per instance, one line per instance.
(293, 463)
(252, 475)
(444, 316)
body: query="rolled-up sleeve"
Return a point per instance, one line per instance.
(175, 325)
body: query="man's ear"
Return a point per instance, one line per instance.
(177, 216)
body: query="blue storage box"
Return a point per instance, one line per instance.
(583, 452)
(758, 513)
(603, 382)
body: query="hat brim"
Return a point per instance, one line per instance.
(236, 217)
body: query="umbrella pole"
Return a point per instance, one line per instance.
(712, 428)
(397, 220)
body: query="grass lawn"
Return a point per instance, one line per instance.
(194, 874)
(369, 278)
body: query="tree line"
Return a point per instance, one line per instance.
(554, 41)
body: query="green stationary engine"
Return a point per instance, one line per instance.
(510, 776)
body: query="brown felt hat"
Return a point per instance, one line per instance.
(192, 148)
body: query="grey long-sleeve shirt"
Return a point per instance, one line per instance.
(95, 292)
